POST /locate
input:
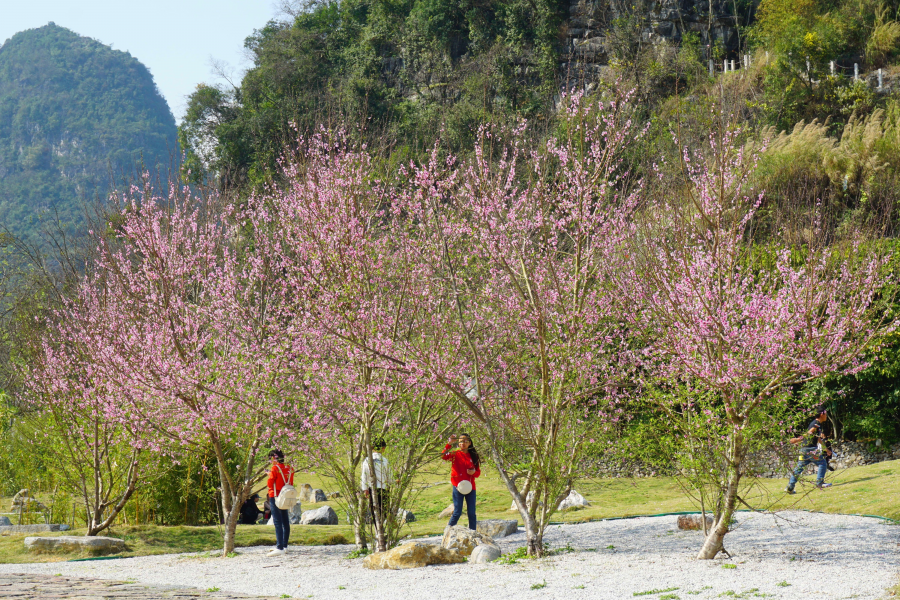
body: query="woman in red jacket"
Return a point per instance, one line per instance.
(280, 475)
(465, 466)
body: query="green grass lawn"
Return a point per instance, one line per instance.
(873, 490)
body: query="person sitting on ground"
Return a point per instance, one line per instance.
(809, 452)
(250, 511)
(379, 482)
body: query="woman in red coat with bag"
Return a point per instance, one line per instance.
(465, 466)
(280, 475)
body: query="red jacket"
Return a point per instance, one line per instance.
(459, 468)
(278, 476)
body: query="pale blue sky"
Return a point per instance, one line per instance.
(177, 40)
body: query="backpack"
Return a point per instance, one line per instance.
(287, 497)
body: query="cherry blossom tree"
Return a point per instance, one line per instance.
(736, 321)
(349, 298)
(518, 244)
(94, 456)
(178, 326)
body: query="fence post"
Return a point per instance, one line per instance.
(831, 66)
(712, 68)
(880, 79)
(725, 64)
(855, 71)
(732, 65)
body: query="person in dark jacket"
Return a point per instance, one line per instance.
(250, 511)
(810, 452)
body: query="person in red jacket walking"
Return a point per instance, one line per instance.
(280, 475)
(465, 466)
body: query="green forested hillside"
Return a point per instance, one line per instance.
(73, 114)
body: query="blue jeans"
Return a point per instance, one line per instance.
(282, 524)
(457, 508)
(809, 456)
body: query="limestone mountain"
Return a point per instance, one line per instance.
(74, 114)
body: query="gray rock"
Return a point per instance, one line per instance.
(573, 500)
(335, 495)
(5, 521)
(320, 516)
(528, 501)
(318, 496)
(465, 540)
(405, 516)
(96, 545)
(64, 527)
(295, 514)
(498, 528)
(446, 512)
(484, 554)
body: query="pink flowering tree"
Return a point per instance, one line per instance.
(518, 244)
(177, 326)
(350, 298)
(730, 324)
(93, 456)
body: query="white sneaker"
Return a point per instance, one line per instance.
(276, 552)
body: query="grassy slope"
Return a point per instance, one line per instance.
(874, 489)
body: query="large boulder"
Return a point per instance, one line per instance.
(295, 514)
(498, 528)
(320, 516)
(95, 545)
(573, 500)
(484, 554)
(464, 540)
(405, 516)
(5, 522)
(318, 496)
(445, 514)
(412, 555)
(304, 492)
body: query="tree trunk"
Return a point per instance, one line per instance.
(96, 523)
(533, 533)
(715, 540)
(231, 519)
(358, 512)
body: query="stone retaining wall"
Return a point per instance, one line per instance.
(773, 464)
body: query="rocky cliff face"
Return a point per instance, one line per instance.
(594, 26)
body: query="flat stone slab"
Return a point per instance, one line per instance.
(41, 528)
(27, 587)
(96, 545)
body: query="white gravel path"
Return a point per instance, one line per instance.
(794, 555)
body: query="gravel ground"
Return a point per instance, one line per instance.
(794, 555)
